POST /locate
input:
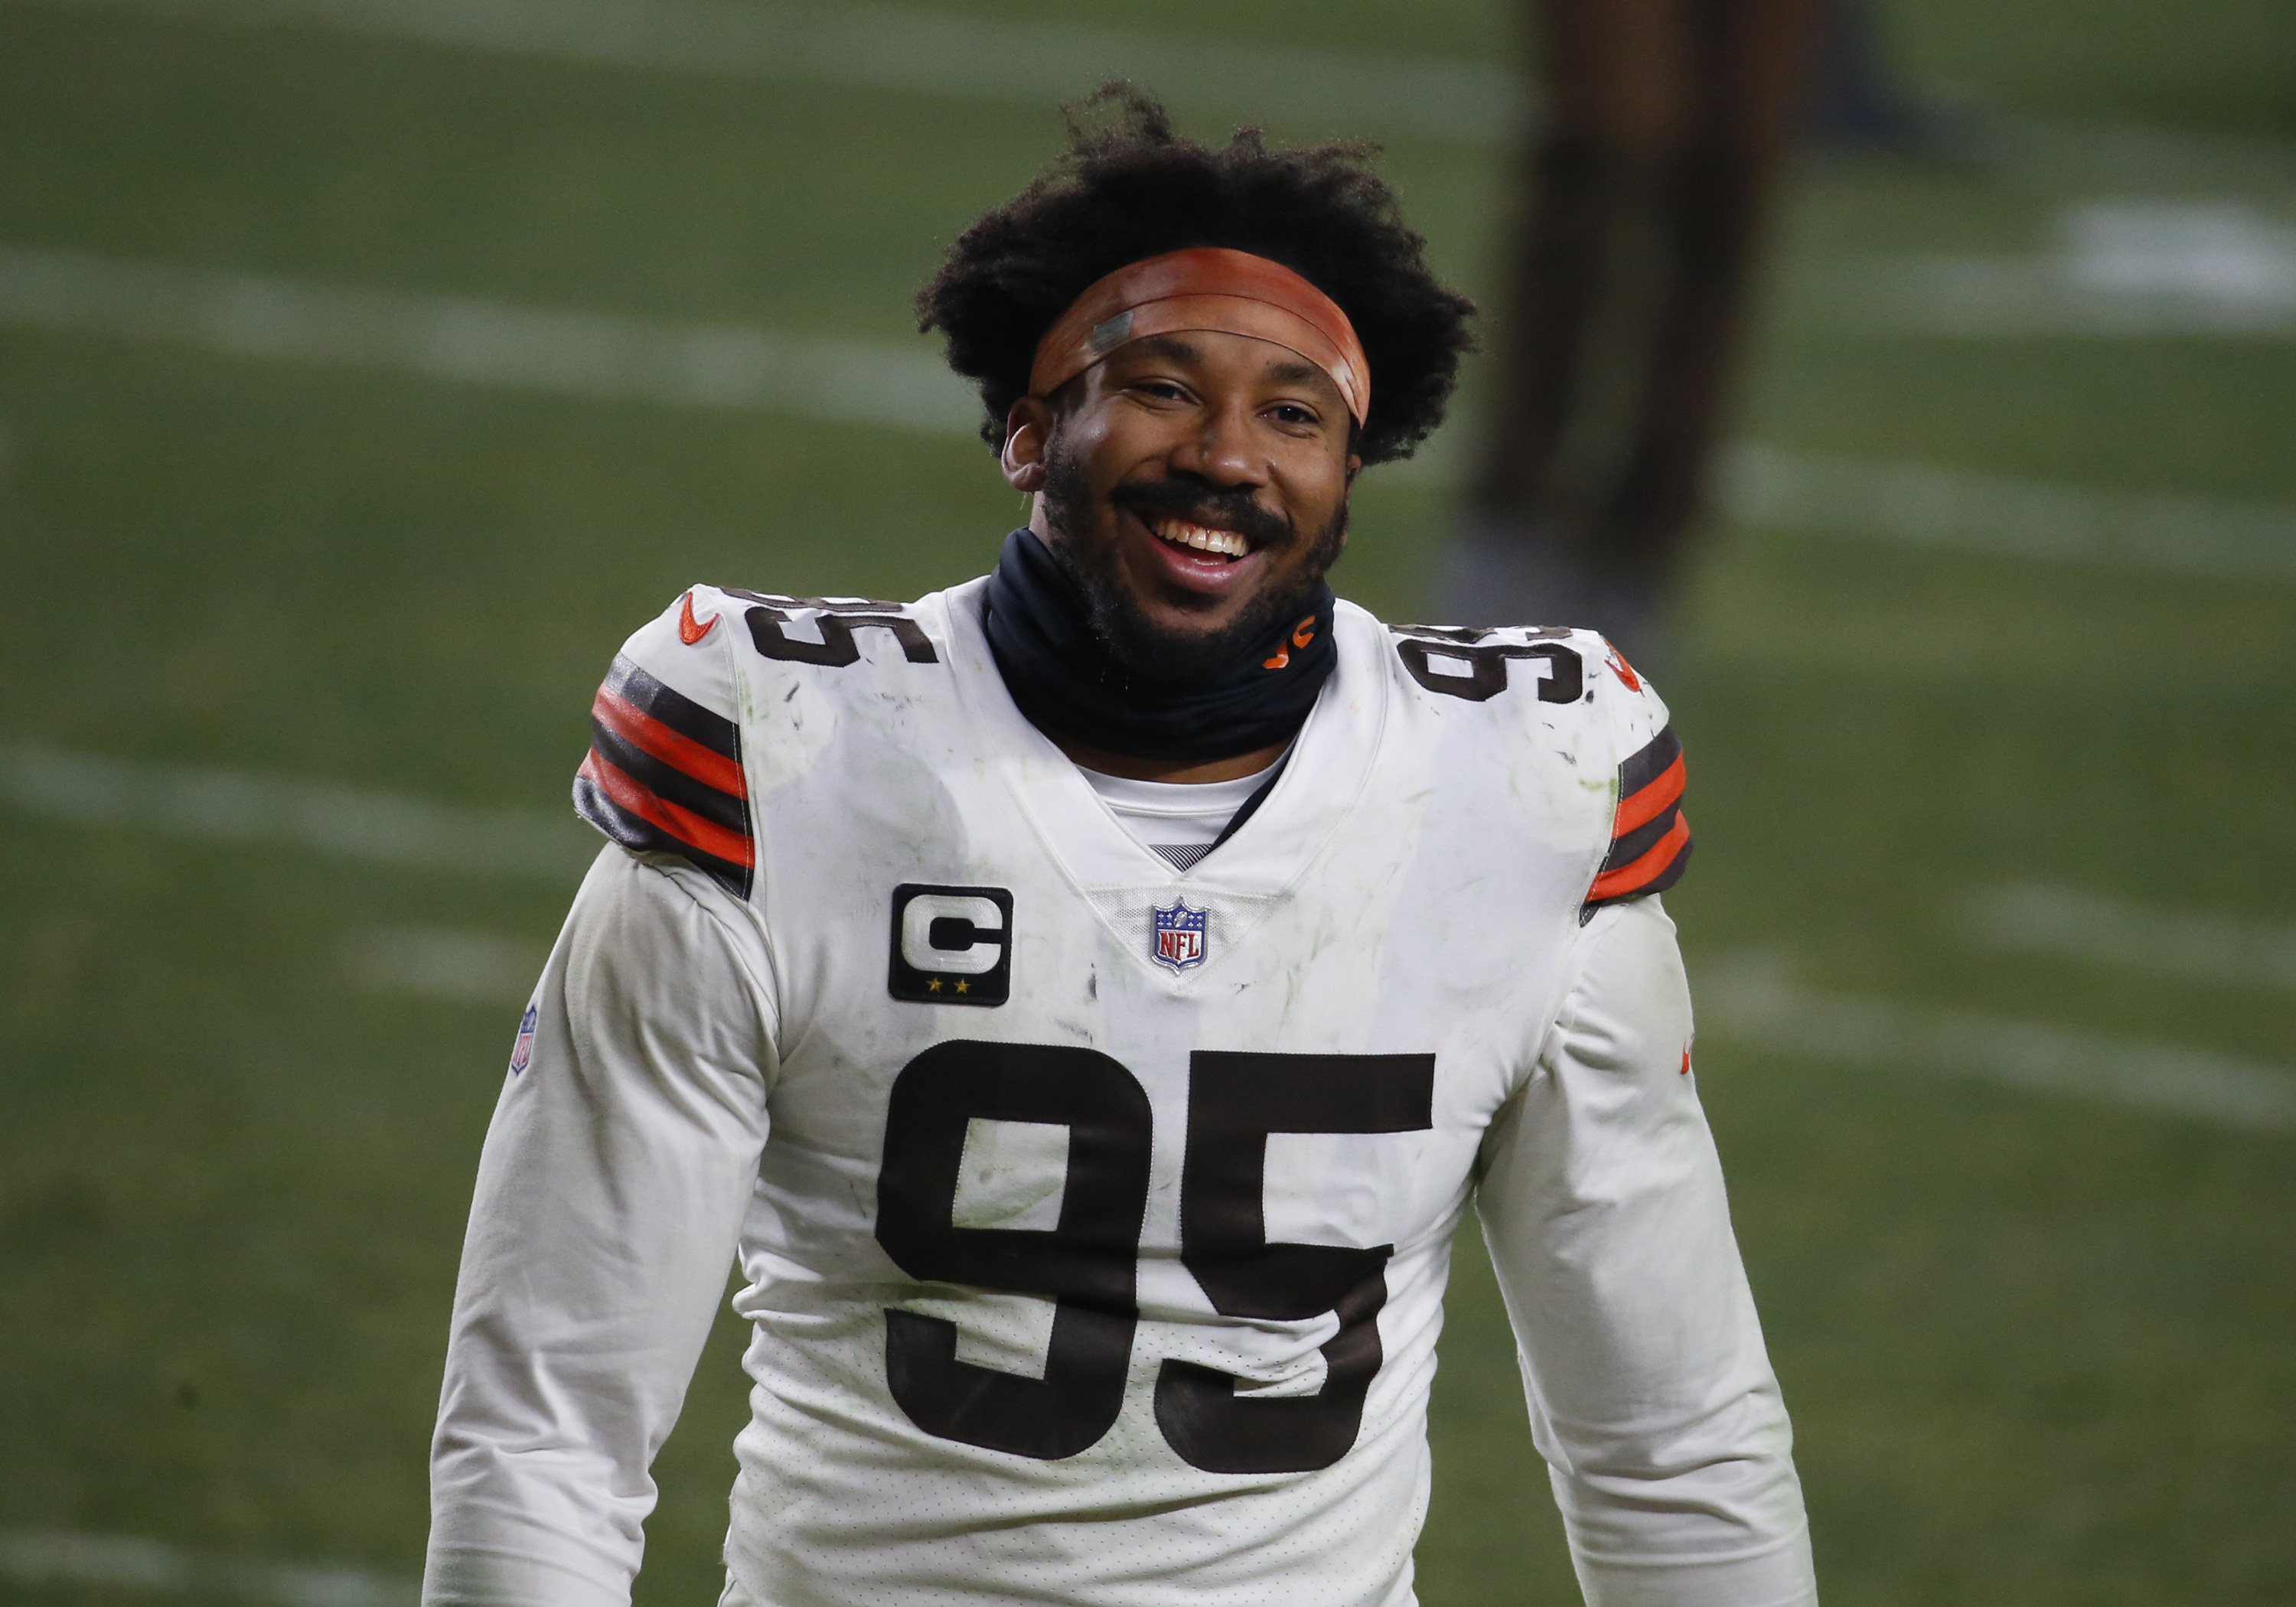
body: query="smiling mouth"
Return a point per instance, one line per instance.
(1202, 538)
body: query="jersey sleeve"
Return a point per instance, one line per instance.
(1651, 1395)
(664, 774)
(611, 1192)
(1649, 839)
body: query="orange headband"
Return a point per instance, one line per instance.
(1206, 287)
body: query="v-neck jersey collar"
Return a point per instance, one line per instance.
(1331, 762)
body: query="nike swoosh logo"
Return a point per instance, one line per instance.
(1621, 668)
(691, 630)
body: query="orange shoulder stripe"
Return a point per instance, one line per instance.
(684, 825)
(648, 734)
(1627, 878)
(1640, 809)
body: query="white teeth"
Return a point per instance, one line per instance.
(1227, 544)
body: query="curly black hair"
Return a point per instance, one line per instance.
(1129, 187)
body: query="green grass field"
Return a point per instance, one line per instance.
(2038, 1345)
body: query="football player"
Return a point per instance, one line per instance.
(1085, 1001)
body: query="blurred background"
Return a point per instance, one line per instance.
(370, 368)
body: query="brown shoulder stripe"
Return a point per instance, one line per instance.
(664, 776)
(1650, 835)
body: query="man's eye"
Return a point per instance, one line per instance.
(1289, 412)
(1162, 389)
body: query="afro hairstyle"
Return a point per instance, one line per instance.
(1129, 187)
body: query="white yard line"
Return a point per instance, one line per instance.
(1035, 63)
(442, 963)
(864, 46)
(1751, 1002)
(2065, 922)
(119, 1562)
(2006, 516)
(465, 340)
(599, 357)
(2015, 297)
(2128, 266)
(348, 823)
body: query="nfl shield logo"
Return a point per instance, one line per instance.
(1178, 935)
(521, 1053)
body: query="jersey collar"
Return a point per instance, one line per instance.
(1330, 764)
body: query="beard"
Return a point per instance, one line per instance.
(1182, 658)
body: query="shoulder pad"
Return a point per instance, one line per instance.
(664, 774)
(1584, 677)
(1472, 661)
(1650, 835)
(835, 620)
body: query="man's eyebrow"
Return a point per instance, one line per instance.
(1293, 373)
(1171, 347)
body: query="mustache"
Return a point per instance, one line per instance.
(1205, 504)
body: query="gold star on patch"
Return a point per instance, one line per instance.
(965, 987)
(933, 986)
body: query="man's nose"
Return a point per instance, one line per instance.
(1222, 449)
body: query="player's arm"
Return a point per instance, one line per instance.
(609, 1203)
(1651, 1395)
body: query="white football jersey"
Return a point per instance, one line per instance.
(1093, 1216)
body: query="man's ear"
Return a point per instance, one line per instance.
(1027, 432)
